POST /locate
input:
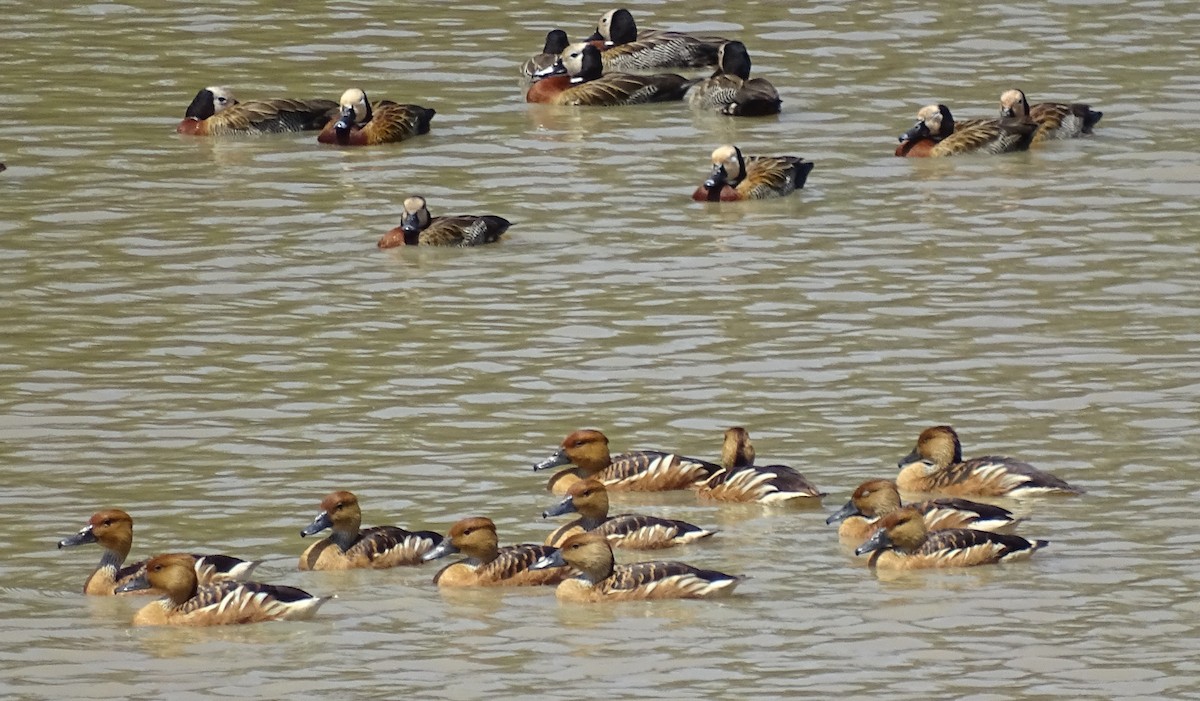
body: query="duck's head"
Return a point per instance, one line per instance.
(903, 529)
(339, 511)
(587, 497)
(355, 110)
(173, 573)
(589, 553)
(474, 537)
(937, 444)
(111, 528)
(737, 450)
(728, 168)
(616, 27)
(209, 101)
(1014, 104)
(933, 122)
(585, 448)
(556, 41)
(582, 61)
(872, 498)
(734, 59)
(416, 216)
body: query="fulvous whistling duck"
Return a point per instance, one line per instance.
(903, 543)
(876, 498)
(112, 529)
(487, 564)
(350, 546)
(936, 465)
(589, 498)
(737, 177)
(730, 90)
(462, 230)
(579, 79)
(364, 124)
(1055, 120)
(189, 603)
(637, 471)
(937, 134)
(601, 579)
(740, 480)
(215, 111)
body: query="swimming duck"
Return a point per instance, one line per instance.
(601, 579)
(737, 177)
(629, 49)
(877, 498)
(487, 564)
(904, 543)
(937, 134)
(730, 90)
(350, 546)
(579, 79)
(556, 43)
(364, 124)
(936, 465)
(463, 230)
(589, 498)
(112, 529)
(740, 480)
(1055, 120)
(637, 471)
(215, 111)
(189, 603)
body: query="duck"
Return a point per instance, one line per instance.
(350, 546)
(740, 480)
(601, 579)
(902, 542)
(579, 79)
(738, 177)
(215, 111)
(936, 465)
(487, 564)
(629, 49)
(190, 603)
(589, 498)
(112, 529)
(876, 498)
(417, 227)
(636, 471)
(362, 124)
(1055, 120)
(556, 42)
(936, 134)
(731, 91)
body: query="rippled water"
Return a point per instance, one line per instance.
(202, 332)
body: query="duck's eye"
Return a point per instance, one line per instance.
(107, 522)
(222, 99)
(578, 444)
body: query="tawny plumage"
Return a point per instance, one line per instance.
(741, 480)
(874, 499)
(936, 465)
(417, 227)
(112, 529)
(589, 498)
(488, 564)
(601, 579)
(737, 177)
(556, 43)
(637, 471)
(731, 90)
(1055, 120)
(630, 49)
(364, 124)
(214, 111)
(188, 603)
(350, 546)
(585, 84)
(937, 134)
(903, 543)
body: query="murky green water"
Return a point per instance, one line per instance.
(202, 332)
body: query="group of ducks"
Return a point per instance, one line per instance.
(578, 556)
